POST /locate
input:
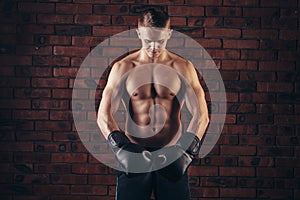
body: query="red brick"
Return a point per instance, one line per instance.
(265, 12)
(204, 2)
(223, 11)
(236, 22)
(287, 55)
(289, 12)
(71, 51)
(73, 8)
(9, 28)
(222, 33)
(238, 192)
(258, 55)
(277, 194)
(275, 108)
(91, 19)
(284, 23)
(287, 140)
(239, 129)
(258, 76)
(289, 34)
(202, 171)
(260, 34)
(241, 44)
(167, 2)
(31, 157)
(54, 19)
(132, 20)
(67, 179)
(51, 61)
(16, 82)
(34, 50)
(50, 104)
(89, 169)
(239, 65)
(50, 82)
(91, 190)
(241, 3)
(278, 44)
(35, 28)
(204, 21)
(62, 94)
(224, 54)
(275, 151)
(66, 157)
(71, 197)
(278, 3)
(204, 192)
(276, 66)
(32, 93)
(16, 60)
(286, 119)
(29, 135)
(240, 108)
(60, 115)
(274, 87)
(57, 39)
(109, 9)
(103, 179)
(52, 189)
(30, 114)
(257, 97)
(86, 41)
(53, 125)
(217, 182)
(237, 171)
(274, 172)
(33, 71)
(20, 146)
(238, 150)
(36, 7)
(108, 30)
(287, 162)
(185, 11)
(248, 161)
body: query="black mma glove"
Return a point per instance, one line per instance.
(185, 150)
(133, 158)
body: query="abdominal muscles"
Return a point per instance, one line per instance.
(153, 122)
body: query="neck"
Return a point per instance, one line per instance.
(146, 58)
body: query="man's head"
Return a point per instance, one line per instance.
(154, 31)
(154, 18)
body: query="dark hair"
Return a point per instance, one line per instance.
(152, 17)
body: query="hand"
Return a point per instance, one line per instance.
(132, 157)
(183, 152)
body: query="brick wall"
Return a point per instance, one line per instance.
(255, 43)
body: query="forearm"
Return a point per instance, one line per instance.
(105, 119)
(198, 125)
(107, 124)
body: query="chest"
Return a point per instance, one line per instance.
(151, 81)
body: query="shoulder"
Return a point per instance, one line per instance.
(182, 65)
(124, 65)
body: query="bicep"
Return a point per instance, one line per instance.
(195, 96)
(113, 89)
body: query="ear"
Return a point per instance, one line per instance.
(170, 33)
(138, 33)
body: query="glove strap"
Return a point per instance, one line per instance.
(191, 143)
(117, 139)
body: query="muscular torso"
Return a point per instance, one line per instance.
(154, 109)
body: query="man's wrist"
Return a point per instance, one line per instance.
(117, 139)
(190, 143)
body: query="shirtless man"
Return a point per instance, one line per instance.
(153, 150)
